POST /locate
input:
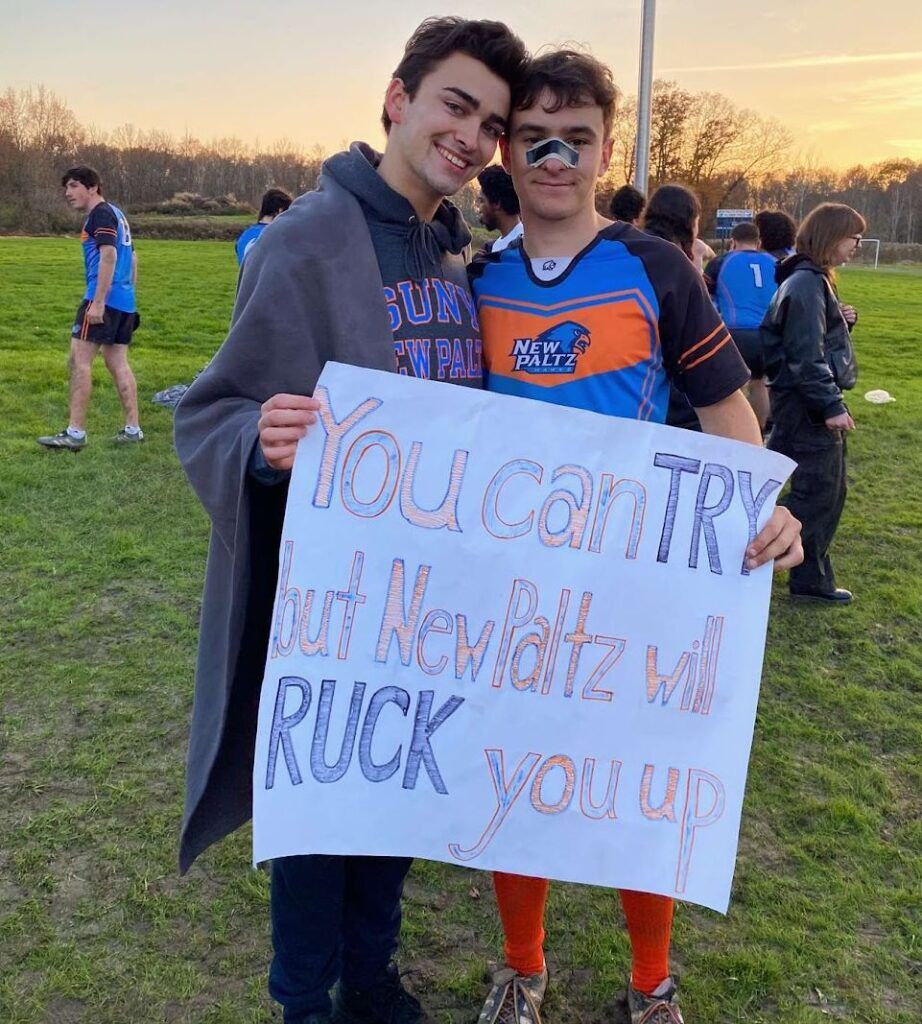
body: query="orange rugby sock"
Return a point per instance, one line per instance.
(649, 925)
(521, 907)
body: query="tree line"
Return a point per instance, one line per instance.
(730, 156)
(141, 170)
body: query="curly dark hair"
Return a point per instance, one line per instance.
(496, 184)
(777, 230)
(490, 42)
(671, 214)
(628, 203)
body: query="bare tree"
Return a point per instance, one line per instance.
(727, 154)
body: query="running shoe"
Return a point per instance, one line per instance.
(63, 440)
(126, 437)
(660, 1008)
(514, 998)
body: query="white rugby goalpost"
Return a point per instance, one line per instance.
(876, 241)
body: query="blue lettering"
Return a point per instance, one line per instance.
(322, 771)
(282, 725)
(677, 465)
(418, 350)
(387, 695)
(706, 514)
(443, 350)
(422, 315)
(393, 310)
(457, 360)
(446, 301)
(420, 748)
(468, 304)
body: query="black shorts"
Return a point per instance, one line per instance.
(116, 329)
(749, 342)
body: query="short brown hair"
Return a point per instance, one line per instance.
(574, 79)
(436, 39)
(823, 228)
(86, 176)
(745, 231)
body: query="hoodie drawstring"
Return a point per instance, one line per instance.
(423, 252)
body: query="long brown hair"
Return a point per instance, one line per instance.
(671, 214)
(822, 230)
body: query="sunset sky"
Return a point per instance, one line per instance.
(845, 76)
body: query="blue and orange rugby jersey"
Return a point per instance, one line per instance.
(629, 314)
(107, 225)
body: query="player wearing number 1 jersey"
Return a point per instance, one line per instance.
(107, 317)
(592, 314)
(742, 282)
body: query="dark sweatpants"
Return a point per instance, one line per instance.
(333, 918)
(818, 487)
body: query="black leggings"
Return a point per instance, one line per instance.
(818, 488)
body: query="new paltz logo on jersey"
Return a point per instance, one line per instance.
(552, 351)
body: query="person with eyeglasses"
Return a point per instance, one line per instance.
(810, 361)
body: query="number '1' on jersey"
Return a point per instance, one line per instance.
(745, 286)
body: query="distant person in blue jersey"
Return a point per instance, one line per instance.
(107, 317)
(498, 207)
(742, 282)
(274, 202)
(628, 204)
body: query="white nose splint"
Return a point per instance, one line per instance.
(544, 150)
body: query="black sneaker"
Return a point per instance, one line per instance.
(63, 440)
(388, 1002)
(838, 596)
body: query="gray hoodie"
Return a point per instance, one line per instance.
(432, 316)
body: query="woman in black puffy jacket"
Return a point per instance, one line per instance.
(810, 362)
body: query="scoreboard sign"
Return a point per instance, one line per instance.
(726, 220)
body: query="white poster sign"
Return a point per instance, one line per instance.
(513, 635)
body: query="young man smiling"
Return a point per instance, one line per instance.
(365, 270)
(646, 319)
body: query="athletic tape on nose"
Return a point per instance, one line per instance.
(547, 148)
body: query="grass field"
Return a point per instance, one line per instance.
(102, 562)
